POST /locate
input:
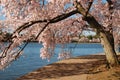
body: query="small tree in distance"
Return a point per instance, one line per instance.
(57, 21)
(90, 37)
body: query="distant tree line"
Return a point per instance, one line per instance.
(90, 37)
(86, 39)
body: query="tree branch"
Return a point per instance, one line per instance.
(89, 6)
(109, 1)
(30, 40)
(89, 18)
(110, 5)
(54, 20)
(28, 24)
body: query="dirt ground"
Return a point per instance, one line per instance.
(90, 67)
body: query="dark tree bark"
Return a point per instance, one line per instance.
(108, 45)
(106, 36)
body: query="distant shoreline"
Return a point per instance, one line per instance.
(58, 43)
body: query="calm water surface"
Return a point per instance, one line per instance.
(30, 60)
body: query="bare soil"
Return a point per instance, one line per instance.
(90, 67)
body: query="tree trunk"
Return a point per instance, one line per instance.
(106, 37)
(108, 44)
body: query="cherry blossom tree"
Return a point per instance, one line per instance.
(57, 21)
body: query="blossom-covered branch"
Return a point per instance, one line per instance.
(54, 20)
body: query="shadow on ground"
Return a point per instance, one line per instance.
(57, 70)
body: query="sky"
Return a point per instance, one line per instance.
(1, 16)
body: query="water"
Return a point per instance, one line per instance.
(30, 60)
